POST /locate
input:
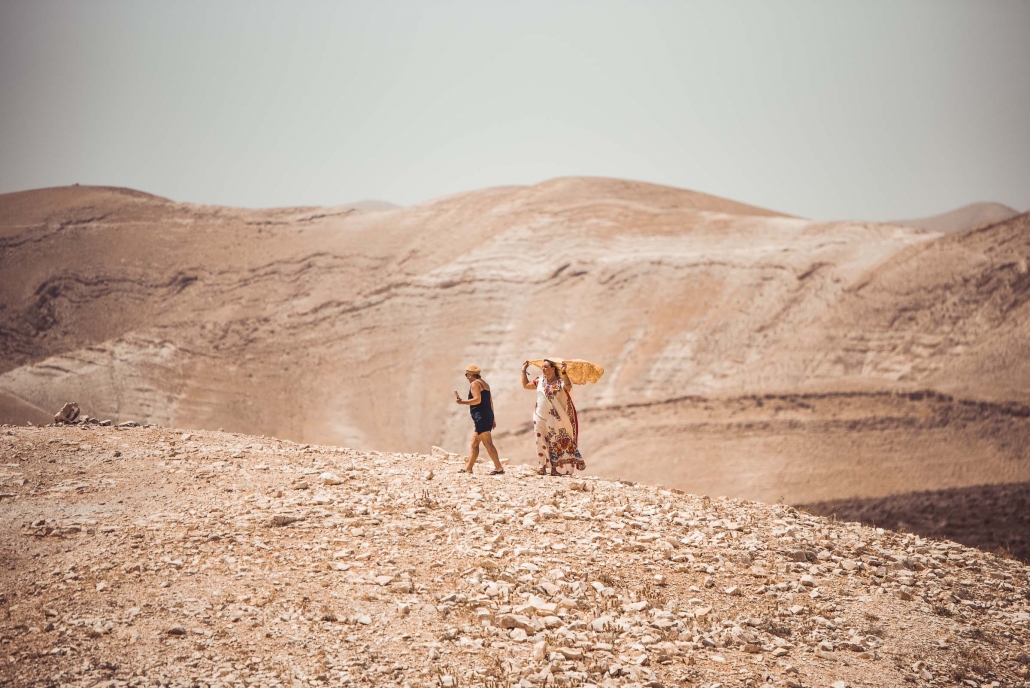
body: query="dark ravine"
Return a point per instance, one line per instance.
(994, 518)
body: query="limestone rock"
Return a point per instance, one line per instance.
(329, 478)
(68, 413)
(509, 621)
(284, 519)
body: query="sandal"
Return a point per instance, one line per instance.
(462, 470)
(541, 471)
(500, 472)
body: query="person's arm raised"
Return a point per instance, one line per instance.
(565, 376)
(526, 384)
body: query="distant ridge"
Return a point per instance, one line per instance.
(961, 219)
(372, 204)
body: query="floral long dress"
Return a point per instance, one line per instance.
(557, 428)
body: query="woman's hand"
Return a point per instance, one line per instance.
(457, 397)
(564, 365)
(526, 384)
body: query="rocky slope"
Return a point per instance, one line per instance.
(146, 557)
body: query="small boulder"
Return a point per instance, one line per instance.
(548, 511)
(284, 519)
(68, 413)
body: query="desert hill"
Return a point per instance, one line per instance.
(199, 307)
(951, 314)
(151, 557)
(748, 353)
(961, 219)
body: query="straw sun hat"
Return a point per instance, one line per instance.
(473, 369)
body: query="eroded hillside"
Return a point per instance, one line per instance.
(351, 326)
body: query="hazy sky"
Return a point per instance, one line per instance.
(832, 110)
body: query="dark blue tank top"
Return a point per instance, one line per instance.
(483, 408)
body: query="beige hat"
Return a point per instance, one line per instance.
(473, 368)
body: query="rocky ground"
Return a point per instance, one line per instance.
(148, 556)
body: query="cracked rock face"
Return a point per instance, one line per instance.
(146, 557)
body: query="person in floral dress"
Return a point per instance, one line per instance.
(554, 420)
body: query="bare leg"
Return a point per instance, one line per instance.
(473, 454)
(541, 448)
(492, 450)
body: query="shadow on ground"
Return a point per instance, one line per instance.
(995, 518)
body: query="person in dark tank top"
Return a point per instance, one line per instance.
(481, 407)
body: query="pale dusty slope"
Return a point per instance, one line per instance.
(353, 327)
(152, 557)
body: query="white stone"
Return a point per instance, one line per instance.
(330, 479)
(635, 606)
(542, 605)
